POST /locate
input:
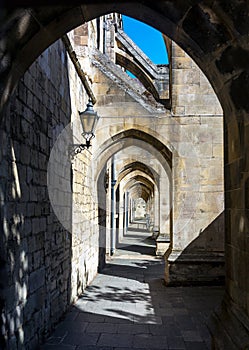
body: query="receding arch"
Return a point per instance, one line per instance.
(133, 137)
(140, 190)
(127, 169)
(142, 180)
(143, 136)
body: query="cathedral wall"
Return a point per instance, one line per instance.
(50, 247)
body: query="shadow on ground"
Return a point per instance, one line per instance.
(129, 307)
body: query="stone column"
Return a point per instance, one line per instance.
(121, 221)
(230, 323)
(156, 214)
(163, 239)
(150, 213)
(113, 207)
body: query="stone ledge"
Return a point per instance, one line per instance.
(195, 269)
(162, 244)
(198, 258)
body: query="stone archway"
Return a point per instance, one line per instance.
(155, 169)
(133, 137)
(217, 42)
(142, 169)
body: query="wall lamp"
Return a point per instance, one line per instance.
(89, 120)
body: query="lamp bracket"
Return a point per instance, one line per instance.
(79, 148)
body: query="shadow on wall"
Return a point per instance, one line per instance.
(202, 261)
(35, 248)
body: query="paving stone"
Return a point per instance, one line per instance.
(151, 320)
(86, 317)
(148, 341)
(129, 349)
(133, 328)
(57, 347)
(115, 340)
(78, 338)
(66, 327)
(94, 348)
(101, 328)
(54, 340)
(196, 346)
(185, 322)
(121, 313)
(192, 336)
(113, 320)
(165, 312)
(176, 343)
(155, 329)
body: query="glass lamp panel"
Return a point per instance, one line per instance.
(88, 122)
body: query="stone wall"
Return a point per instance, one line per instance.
(192, 94)
(45, 265)
(198, 175)
(193, 131)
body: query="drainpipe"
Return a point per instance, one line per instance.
(113, 206)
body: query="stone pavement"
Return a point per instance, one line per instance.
(128, 307)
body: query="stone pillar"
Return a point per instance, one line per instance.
(109, 36)
(126, 221)
(163, 239)
(108, 211)
(113, 207)
(156, 214)
(230, 323)
(150, 214)
(131, 211)
(121, 213)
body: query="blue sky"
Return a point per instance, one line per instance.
(147, 38)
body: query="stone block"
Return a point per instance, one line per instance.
(33, 193)
(27, 226)
(182, 63)
(162, 245)
(25, 155)
(29, 98)
(38, 259)
(177, 51)
(36, 225)
(43, 143)
(37, 281)
(30, 209)
(34, 158)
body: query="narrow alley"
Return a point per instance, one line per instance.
(128, 306)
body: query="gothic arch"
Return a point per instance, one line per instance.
(133, 137)
(141, 180)
(129, 168)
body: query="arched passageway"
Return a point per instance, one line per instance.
(217, 41)
(121, 158)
